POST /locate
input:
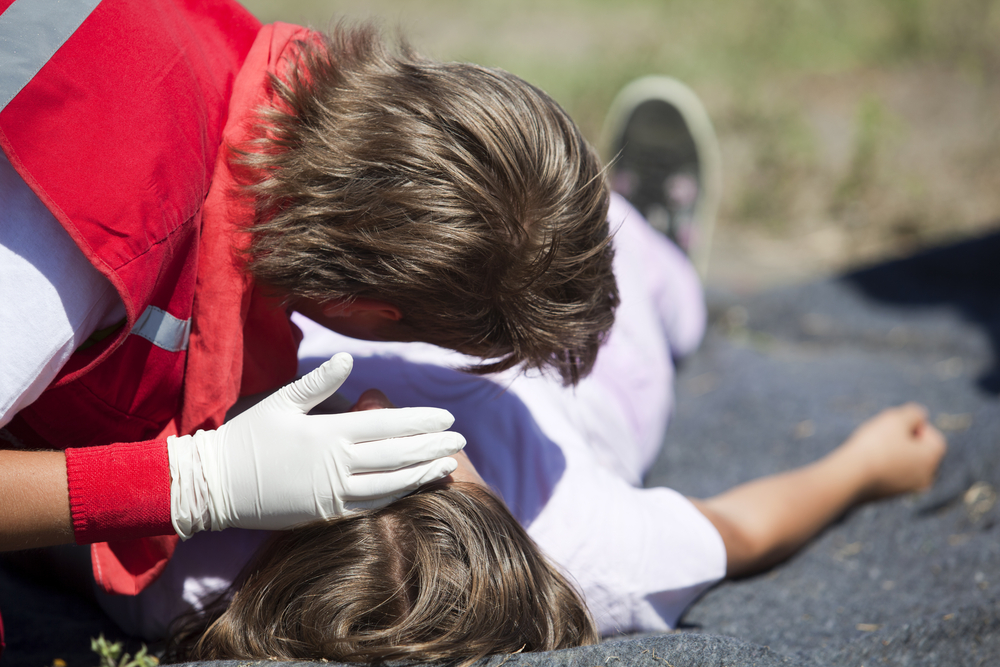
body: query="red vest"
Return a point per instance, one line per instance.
(118, 135)
(121, 135)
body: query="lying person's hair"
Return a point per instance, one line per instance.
(461, 194)
(446, 574)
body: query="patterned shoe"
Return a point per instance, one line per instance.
(665, 160)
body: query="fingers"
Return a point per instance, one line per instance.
(313, 388)
(932, 446)
(930, 436)
(370, 425)
(397, 453)
(927, 445)
(918, 422)
(388, 486)
(913, 414)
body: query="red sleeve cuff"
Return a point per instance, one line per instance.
(119, 492)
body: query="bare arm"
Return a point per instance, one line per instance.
(764, 521)
(34, 500)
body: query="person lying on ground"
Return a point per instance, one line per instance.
(569, 462)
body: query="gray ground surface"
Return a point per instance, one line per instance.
(782, 378)
(785, 376)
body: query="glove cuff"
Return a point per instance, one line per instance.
(190, 500)
(119, 492)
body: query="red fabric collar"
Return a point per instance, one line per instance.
(225, 299)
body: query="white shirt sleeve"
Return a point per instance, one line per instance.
(51, 298)
(641, 556)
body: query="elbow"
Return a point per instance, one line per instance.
(747, 553)
(749, 549)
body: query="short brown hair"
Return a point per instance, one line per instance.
(460, 194)
(446, 574)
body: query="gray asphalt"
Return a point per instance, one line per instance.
(782, 378)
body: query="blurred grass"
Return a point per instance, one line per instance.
(874, 121)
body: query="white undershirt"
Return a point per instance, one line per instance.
(51, 298)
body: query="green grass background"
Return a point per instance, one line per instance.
(850, 129)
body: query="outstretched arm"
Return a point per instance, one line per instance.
(764, 521)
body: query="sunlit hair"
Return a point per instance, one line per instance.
(446, 574)
(460, 194)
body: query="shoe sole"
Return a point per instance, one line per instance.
(699, 125)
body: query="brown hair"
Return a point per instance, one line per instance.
(460, 194)
(446, 574)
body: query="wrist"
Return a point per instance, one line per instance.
(119, 491)
(854, 471)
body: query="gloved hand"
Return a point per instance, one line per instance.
(274, 466)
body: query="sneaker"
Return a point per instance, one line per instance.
(664, 159)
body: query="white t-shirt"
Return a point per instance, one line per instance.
(51, 298)
(568, 462)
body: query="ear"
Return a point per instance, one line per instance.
(366, 308)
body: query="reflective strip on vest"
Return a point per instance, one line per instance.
(31, 31)
(163, 329)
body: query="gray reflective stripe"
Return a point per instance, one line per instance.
(163, 329)
(31, 31)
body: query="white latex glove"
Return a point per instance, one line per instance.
(274, 466)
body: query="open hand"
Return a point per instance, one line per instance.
(276, 466)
